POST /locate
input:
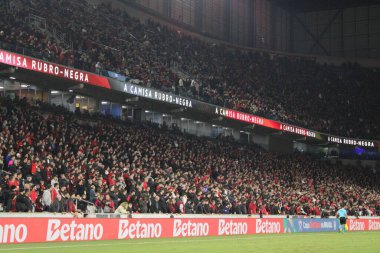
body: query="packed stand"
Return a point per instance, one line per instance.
(337, 100)
(55, 161)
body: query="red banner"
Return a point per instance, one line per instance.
(363, 224)
(27, 230)
(49, 68)
(252, 119)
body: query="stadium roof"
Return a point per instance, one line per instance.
(317, 5)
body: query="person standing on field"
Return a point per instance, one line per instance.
(342, 215)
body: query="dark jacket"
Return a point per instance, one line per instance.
(155, 206)
(58, 206)
(23, 204)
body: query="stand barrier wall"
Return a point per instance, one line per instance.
(57, 229)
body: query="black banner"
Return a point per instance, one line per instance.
(214, 110)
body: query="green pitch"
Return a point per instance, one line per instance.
(355, 242)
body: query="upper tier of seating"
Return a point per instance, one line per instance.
(335, 99)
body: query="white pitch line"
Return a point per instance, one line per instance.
(169, 241)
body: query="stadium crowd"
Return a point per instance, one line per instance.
(52, 160)
(335, 99)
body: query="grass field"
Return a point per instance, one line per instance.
(358, 242)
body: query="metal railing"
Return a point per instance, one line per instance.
(40, 23)
(4, 172)
(37, 21)
(61, 37)
(84, 201)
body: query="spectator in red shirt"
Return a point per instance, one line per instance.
(54, 192)
(34, 194)
(252, 207)
(13, 181)
(33, 168)
(109, 205)
(263, 210)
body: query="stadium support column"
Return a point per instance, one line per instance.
(97, 106)
(291, 32)
(273, 14)
(342, 54)
(252, 22)
(227, 20)
(199, 15)
(166, 6)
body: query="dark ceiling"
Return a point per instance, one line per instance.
(317, 5)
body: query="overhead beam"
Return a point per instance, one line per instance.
(132, 100)
(178, 110)
(321, 5)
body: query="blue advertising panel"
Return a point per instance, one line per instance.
(303, 225)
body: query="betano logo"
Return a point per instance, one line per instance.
(356, 225)
(190, 228)
(139, 230)
(232, 228)
(10, 233)
(267, 227)
(73, 231)
(374, 225)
